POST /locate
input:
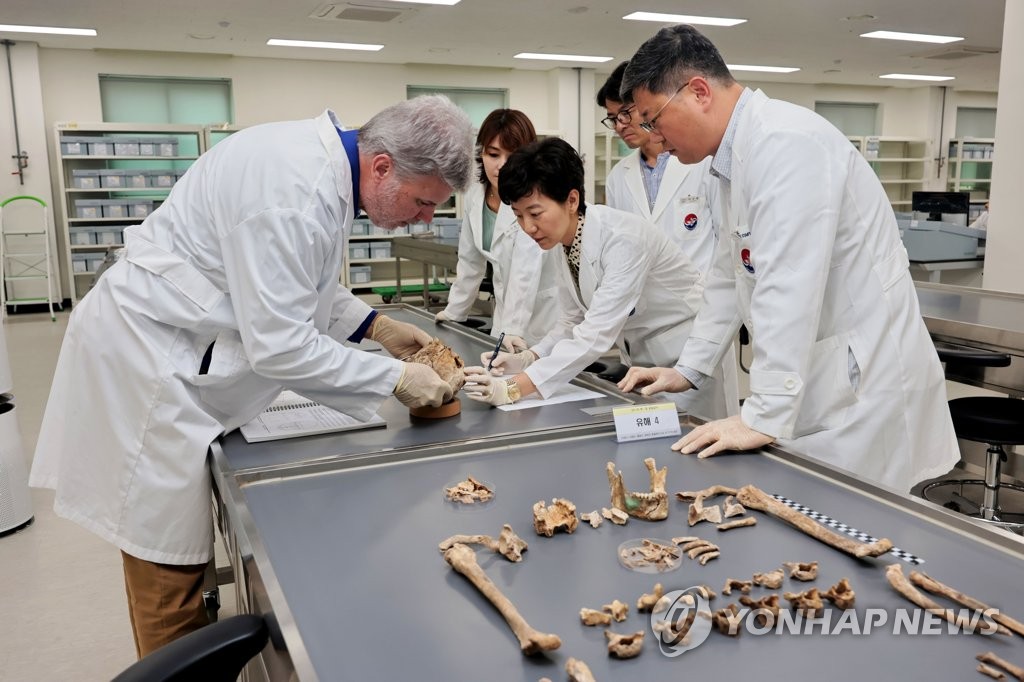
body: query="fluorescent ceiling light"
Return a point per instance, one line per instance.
(317, 43)
(915, 37)
(430, 2)
(561, 57)
(766, 69)
(683, 19)
(916, 77)
(12, 28)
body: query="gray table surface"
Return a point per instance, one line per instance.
(477, 420)
(964, 313)
(355, 557)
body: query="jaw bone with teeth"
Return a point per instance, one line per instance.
(650, 506)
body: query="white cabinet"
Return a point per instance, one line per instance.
(111, 176)
(609, 149)
(903, 165)
(970, 170)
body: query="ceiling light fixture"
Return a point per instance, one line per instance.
(561, 57)
(683, 19)
(914, 37)
(766, 69)
(916, 77)
(281, 42)
(14, 28)
(430, 2)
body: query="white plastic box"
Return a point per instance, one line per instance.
(359, 250)
(109, 235)
(359, 274)
(79, 263)
(134, 178)
(74, 145)
(167, 147)
(447, 228)
(85, 179)
(139, 208)
(159, 178)
(81, 236)
(361, 227)
(93, 261)
(89, 208)
(112, 177)
(126, 146)
(101, 146)
(380, 249)
(115, 208)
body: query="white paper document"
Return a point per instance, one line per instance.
(566, 394)
(291, 416)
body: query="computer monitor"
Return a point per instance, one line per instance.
(937, 203)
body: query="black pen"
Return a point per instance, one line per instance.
(497, 347)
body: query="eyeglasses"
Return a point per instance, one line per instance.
(652, 125)
(625, 117)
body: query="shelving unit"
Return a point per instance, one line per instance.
(113, 175)
(378, 267)
(902, 164)
(970, 170)
(609, 149)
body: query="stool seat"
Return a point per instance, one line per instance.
(595, 367)
(996, 421)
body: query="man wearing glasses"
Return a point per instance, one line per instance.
(652, 184)
(811, 262)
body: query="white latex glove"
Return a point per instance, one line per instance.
(420, 386)
(442, 317)
(654, 380)
(485, 388)
(723, 434)
(401, 339)
(514, 343)
(508, 363)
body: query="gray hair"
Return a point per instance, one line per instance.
(427, 135)
(673, 56)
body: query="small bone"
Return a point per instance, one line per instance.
(991, 672)
(992, 659)
(755, 498)
(650, 554)
(738, 523)
(925, 582)
(646, 602)
(663, 604)
(702, 550)
(675, 633)
(769, 603)
(841, 594)
(508, 544)
(684, 539)
(469, 491)
(706, 493)
(618, 609)
(649, 506)
(616, 516)
(772, 579)
(899, 582)
(705, 558)
(698, 512)
(733, 508)
(625, 646)
(807, 602)
(732, 583)
(561, 515)
(592, 617)
(706, 591)
(463, 560)
(804, 572)
(727, 620)
(593, 518)
(578, 671)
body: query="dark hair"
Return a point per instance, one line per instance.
(513, 127)
(611, 87)
(551, 166)
(673, 56)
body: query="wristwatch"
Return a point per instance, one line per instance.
(512, 389)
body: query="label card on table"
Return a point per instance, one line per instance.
(640, 422)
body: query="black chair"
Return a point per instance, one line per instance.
(614, 373)
(215, 653)
(994, 421)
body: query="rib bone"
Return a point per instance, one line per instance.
(925, 582)
(992, 659)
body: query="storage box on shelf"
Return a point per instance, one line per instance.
(113, 175)
(369, 262)
(970, 170)
(609, 149)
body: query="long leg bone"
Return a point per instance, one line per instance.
(925, 582)
(754, 498)
(992, 659)
(508, 544)
(463, 559)
(899, 582)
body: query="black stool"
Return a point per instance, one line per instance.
(991, 420)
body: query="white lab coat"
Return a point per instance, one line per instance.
(639, 293)
(812, 262)
(523, 274)
(683, 207)
(246, 251)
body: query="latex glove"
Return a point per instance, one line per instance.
(420, 386)
(486, 388)
(508, 363)
(514, 343)
(654, 380)
(442, 317)
(723, 434)
(401, 339)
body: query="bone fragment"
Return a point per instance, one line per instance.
(646, 602)
(706, 592)
(692, 544)
(702, 550)
(754, 498)
(508, 544)
(991, 672)
(733, 508)
(618, 609)
(727, 620)
(684, 539)
(733, 584)
(899, 582)
(698, 512)
(578, 671)
(925, 582)
(705, 558)
(616, 516)
(650, 554)
(807, 602)
(592, 617)
(649, 506)
(804, 572)
(677, 632)
(772, 579)
(625, 646)
(560, 516)
(593, 518)
(738, 523)
(469, 491)
(769, 603)
(992, 659)
(706, 493)
(841, 594)
(463, 560)
(663, 604)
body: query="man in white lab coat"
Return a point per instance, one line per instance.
(227, 293)
(811, 261)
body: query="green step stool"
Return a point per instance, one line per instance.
(388, 293)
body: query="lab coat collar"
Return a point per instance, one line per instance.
(328, 125)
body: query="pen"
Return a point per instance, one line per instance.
(497, 347)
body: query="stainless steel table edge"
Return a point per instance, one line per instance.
(953, 330)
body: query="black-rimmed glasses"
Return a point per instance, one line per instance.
(624, 117)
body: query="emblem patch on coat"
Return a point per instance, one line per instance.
(690, 221)
(745, 257)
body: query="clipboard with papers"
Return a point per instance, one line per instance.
(292, 416)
